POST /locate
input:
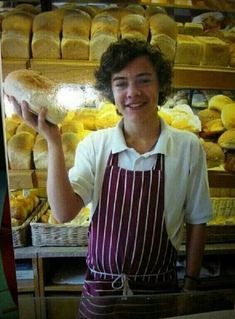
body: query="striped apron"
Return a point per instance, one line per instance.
(129, 252)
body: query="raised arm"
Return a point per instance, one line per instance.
(64, 203)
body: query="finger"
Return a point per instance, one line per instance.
(28, 116)
(16, 105)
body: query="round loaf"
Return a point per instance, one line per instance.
(38, 91)
(228, 116)
(227, 139)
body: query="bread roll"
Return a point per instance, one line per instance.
(228, 116)
(214, 154)
(227, 139)
(161, 23)
(134, 24)
(212, 127)
(23, 127)
(217, 102)
(40, 153)
(188, 50)
(38, 91)
(19, 150)
(207, 115)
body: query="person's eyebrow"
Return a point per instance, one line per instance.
(119, 77)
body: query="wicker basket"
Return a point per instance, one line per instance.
(21, 234)
(44, 234)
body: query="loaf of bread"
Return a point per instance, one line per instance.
(104, 24)
(76, 24)
(151, 10)
(214, 154)
(208, 115)
(99, 44)
(166, 44)
(136, 8)
(10, 127)
(188, 50)
(23, 127)
(192, 28)
(28, 7)
(40, 153)
(47, 27)
(134, 25)
(116, 12)
(75, 48)
(16, 35)
(19, 150)
(215, 51)
(39, 91)
(161, 23)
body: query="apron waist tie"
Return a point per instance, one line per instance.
(124, 285)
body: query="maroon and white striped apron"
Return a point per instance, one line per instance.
(129, 250)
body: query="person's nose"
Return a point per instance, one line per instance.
(133, 89)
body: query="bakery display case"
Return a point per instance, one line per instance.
(47, 55)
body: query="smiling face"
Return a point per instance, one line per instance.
(135, 90)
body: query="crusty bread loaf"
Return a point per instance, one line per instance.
(188, 50)
(208, 115)
(20, 150)
(134, 24)
(104, 24)
(39, 91)
(75, 48)
(166, 44)
(99, 44)
(214, 154)
(215, 51)
(161, 23)
(40, 153)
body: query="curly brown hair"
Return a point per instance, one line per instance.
(120, 53)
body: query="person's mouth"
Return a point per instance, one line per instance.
(135, 106)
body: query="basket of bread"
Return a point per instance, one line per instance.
(47, 231)
(23, 207)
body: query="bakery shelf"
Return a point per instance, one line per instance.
(25, 285)
(19, 179)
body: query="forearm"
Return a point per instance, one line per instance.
(64, 203)
(195, 244)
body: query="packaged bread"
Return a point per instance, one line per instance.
(40, 153)
(19, 148)
(134, 25)
(99, 43)
(38, 90)
(16, 35)
(227, 139)
(70, 141)
(215, 51)
(188, 50)
(166, 44)
(47, 27)
(214, 154)
(218, 101)
(194, 29)
(161, 23)
(228, 116)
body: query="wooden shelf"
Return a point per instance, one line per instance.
(25, 285)
(63, 288)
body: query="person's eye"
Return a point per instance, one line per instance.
(144, 80)
(121, 84)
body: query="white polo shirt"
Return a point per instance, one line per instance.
(187, 196)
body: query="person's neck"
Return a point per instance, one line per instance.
(142, 137)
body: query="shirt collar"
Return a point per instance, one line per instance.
(119, 143)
